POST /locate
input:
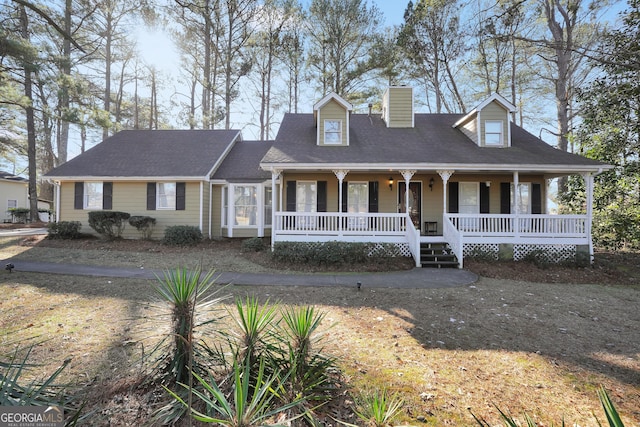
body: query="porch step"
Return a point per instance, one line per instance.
(437, 255)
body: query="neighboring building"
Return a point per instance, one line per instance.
(476, 182)
(14, 193)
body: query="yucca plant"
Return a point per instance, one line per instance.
(254, 322)
(14, 391)
(307, 367)
(186, 293)
(250, 402)
(378, 408)
(613, 418)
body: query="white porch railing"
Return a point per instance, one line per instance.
(347, 227)
(515, 228)
(461, 229)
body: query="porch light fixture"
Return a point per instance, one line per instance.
(431, 182)
(390, 183)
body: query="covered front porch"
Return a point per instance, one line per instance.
(463, 232)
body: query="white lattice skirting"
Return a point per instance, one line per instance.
(481, 250)
(551, 253)
(389, 250)
(546, 253)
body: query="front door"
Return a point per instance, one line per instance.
(415, 200)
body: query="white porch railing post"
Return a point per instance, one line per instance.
(516, 203)
(340, 174)
(588, 185)
(275, 175)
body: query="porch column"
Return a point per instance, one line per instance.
(516, 203)
(407, 175)
(275, 176)
(445, 175)
(340, 174)
(588, 186)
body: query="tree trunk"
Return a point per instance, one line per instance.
(31, 128)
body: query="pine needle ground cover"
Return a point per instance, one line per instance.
(542, 349)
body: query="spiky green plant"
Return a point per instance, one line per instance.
(14, 391)
(254, 321)
(307, 367)
(251, 403)
(186, 292)
(378, 408)
(613, 418)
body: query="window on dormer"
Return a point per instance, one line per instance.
(333, 131)
(493, 133)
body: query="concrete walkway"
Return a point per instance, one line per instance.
(415, 278)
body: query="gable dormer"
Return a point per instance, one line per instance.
(397, 107)
(488, 125)
(331, 114)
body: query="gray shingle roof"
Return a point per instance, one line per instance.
(151, 153)
(243, 162)
(433, 141)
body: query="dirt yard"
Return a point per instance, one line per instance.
(523, 338)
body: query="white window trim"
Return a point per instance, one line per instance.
(85, 196)
(175, 195)
(258, 188)
(366, 184)
(515, 198)
(500, 134)
(477, 189)
(338, 132)
(315, 201)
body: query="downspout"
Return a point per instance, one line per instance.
(210, 209)
(57, 197)
(201, 213)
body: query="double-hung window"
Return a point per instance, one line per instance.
(93, 193)
(469, 198)
(333, 132)
(493, 133)
(245, 202)
(522, 198)
(306, 196)
(166, 195)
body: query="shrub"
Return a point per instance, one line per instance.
(144, 225)
(109, 224)
(20, 214)
(65, 230)
(255, 244)
(325, 254)
(182, 235)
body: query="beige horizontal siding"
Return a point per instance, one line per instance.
(131, 197)
(400, 107)
(333, 111)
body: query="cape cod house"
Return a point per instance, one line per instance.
(474, 182)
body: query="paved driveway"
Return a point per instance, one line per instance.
(22, 231)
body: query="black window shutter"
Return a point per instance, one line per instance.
(453, 197)
(78, 196)
(291, 196)
(151, 196)
(505, 198)
(345, 195)
(181, 196)
(484, 198)
(373, 196)
(536, 199)
(321, 202)
(107, 195)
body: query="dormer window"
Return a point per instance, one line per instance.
(493, 133)
(333, 132)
